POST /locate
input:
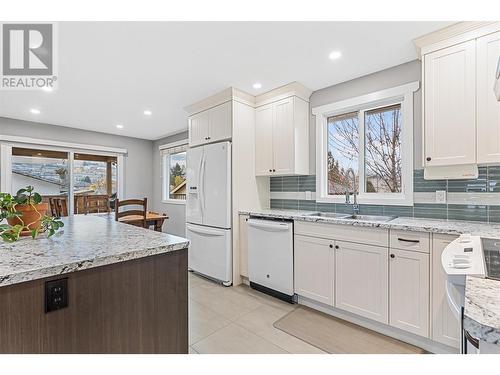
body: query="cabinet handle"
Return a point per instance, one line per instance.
(274, 170)
(393, 256)
(331, 246)
(337, 247)
(428, 158)
(405, 240)
(270, 170)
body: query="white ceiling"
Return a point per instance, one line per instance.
(110, 72)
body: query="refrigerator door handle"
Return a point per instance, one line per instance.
(205, 231)
(200, 185)
(203, 181)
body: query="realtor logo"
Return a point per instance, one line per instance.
(28, 56)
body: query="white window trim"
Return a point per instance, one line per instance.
(164, 152)
(7, 142)
(401, 94)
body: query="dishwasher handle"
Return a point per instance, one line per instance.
(269, 225)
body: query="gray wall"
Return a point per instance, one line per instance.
(176, 224)
(384, 79)
(138, 162)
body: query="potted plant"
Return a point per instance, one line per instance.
(25, 215)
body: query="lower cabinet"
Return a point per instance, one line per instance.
(409, 291)
(314, 261)
(361, 280)
(445, 326)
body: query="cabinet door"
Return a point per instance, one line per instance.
(488, 108)
(220, 122)
(450, 105)
(409, 291)
(361, 280)
(284, 137)
(314, 268)
(445, 328)
(243, 244)
(198, 129)
(264, 140)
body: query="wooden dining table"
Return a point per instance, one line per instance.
(152, 218)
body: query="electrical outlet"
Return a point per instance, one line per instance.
(308, 195)
(56, 294)
(440, 196)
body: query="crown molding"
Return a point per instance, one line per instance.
(456, 33)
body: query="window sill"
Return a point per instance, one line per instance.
(173, 201)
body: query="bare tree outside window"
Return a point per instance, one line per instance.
(343, 151)
(382, 149)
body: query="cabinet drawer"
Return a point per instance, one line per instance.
(412, 241)
(349, 233)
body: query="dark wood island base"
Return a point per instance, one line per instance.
(134, 306)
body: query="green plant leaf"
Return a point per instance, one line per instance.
(37, 198)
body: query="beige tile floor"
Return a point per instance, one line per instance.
(237, 320)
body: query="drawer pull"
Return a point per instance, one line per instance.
(405, 240)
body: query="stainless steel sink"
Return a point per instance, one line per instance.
(369, 218)
(328, 214)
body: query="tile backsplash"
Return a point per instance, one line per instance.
(467, 199)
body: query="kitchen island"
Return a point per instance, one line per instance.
(97, 286)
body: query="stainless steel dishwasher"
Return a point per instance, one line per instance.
(270, 257)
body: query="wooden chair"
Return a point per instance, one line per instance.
(58, 206)
(96, 204)
(133, 202)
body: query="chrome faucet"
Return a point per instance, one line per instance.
(355, 206)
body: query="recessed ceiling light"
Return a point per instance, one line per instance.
(148, 113)
(257, 85)
(334, 55)
(119, 126)
(47, 88)
(35, 111)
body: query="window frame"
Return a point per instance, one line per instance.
(402, 95)
(165, 152)
(8, 142)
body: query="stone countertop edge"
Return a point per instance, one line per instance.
(86, 241)
(482, 296)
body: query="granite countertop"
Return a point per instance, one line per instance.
(400, 223)
(482, 309)
(84, 242)
(482, 296)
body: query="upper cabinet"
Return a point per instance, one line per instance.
(488, 107)
(282, 133)
(210, 125)
(450, 105)
(461, 117)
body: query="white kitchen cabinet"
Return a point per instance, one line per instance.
(282, 138)
(198, 129)
(450, 105)
(211, 125)
(361, 280)
(488, 108)
(314, 268)
(409, 291)
(264, 157)
(445, 328)
(243, 245)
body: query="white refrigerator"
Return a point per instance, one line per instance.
(208, 211)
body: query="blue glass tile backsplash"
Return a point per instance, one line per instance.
(487, 182)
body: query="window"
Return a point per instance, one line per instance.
(174, 173)
(371, 135)
(76, 175)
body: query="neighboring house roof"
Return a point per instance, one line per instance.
(50, 181)
(178, 187)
